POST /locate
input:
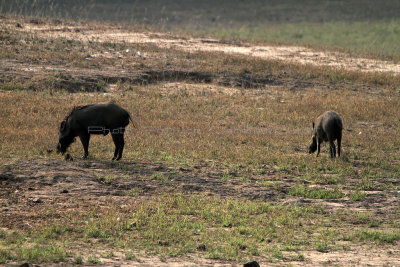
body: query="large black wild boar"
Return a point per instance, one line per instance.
(328, 127)
(83, 121)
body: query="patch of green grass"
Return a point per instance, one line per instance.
(13, 237)
(16, 86)
(307, 192)
(93, 259)
(105, 179)
(41, 249)
(268, 184)
(108, 254)
(357, 195)
(42, 253)
(245, 178)
(161, 177)
(6, 255)
(53, 231)
(129, 255)
(3, 234)
(378, 236)
(367, 184)
(364, 218)
(134, 192)
(226, 175)
(78, 260)
(93, 230)
(326, 180)
(321, 247)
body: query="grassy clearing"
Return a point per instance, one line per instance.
(257, 134)
(176, 225)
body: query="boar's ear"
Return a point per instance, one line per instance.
(62, 126)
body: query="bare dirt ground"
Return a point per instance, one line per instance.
(29, 186)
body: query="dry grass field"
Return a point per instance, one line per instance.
(216, 171)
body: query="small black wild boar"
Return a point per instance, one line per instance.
(83, 121)
(328, 127)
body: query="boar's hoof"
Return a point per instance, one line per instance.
(68, 157)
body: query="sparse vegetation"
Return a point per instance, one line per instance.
(378, 236)
(175, 225)
(93, 259)
(357, 195)
(302, 191)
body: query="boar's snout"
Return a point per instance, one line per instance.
(60, 149)
(313, 147)
(63, 144)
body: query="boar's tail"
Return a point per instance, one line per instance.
(133, 124)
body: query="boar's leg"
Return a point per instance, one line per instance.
(332, 148)
(85, 137)
(339, 144)
(121, 147)
(319, 141)
(117, 141)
